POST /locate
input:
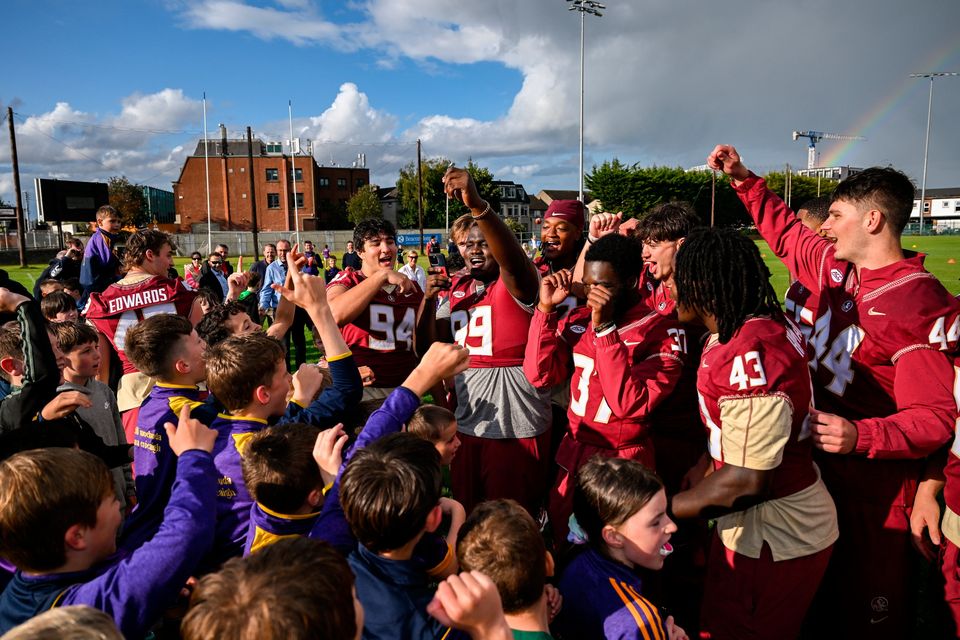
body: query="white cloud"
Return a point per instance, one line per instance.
(351, 119)
(67, 143)
(665, 81)
(301, 25)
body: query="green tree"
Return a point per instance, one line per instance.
(363, 204)
(801, 187)
(634, 190)
(434, 199)
(128, 199)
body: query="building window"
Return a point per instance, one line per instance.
(342, 183)
(274, 148)
(299, 174)
(956, 207)
(324, 182)
(360, 182)
(300, 200)
(273, 175)
(926, 206)
(944, 204)
(273, 201)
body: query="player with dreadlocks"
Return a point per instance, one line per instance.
(775, 522)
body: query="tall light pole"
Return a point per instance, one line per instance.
(926, 142)
(593, 8)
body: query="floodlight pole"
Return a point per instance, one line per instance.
(21, 223)
(593, 8)
(926, 141)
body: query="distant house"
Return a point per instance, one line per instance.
(514, 203)
(549, 195)
(389, 203)
(939, 207)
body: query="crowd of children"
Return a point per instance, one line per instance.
(502, 448)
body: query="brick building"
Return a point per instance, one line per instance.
(321, 192)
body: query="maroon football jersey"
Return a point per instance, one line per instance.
(764, 358)
(381, 337)
(569, 303)
(489, 322)
(655, 294)
(875, 349)
(802, 306)
(619, 378)
(121, 306)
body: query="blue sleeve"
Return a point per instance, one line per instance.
(331, 525)
(333, 402)
(136, 591)
(266, 291)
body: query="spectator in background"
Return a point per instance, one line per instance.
(193, 271)
(326, 251)
(414, 271)
(260, 266)
(313, 266)
(351, 258)
(213, 278)
(276, 273)
(224, 252)
(100, 265)
(61, 268)
(331, 271)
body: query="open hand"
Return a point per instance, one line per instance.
(328, 452)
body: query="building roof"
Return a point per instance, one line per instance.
(388, 193)
(948, 192)
(536, 204)
(549, 195)
(235, 147)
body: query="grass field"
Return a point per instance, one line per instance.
(939, 249)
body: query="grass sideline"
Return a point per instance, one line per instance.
(938, 249)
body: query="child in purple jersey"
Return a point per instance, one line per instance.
(619, 511)
(59, 518)
(248, 375)
(166, 348)
(283, 471)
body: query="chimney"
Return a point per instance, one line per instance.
(223, 139)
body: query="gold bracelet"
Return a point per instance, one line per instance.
(489, 209)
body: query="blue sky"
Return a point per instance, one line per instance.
(495, 80)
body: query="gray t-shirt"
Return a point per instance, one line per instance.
(499, 402)
(104, 418)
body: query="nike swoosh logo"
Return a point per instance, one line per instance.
(872, 621)
(630, 344)
(873, 312)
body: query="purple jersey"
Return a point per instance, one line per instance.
(154, 461)
(601, 599)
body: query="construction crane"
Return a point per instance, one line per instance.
(817, 136)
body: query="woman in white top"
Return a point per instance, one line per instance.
(414, 271)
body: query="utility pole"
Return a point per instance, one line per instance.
(420, 194)
(926, 140)
(253, 195)
(713, 195)
(21, 225)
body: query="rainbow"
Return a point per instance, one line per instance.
(876, 116)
